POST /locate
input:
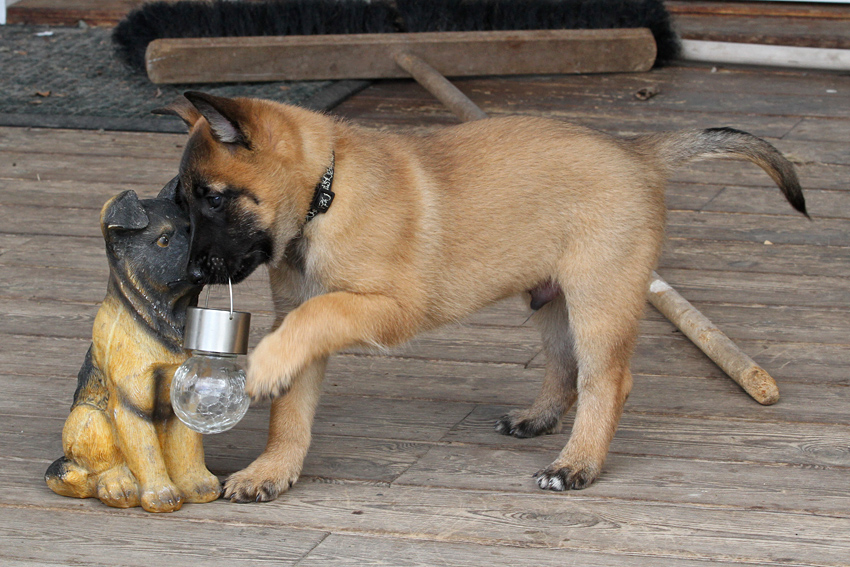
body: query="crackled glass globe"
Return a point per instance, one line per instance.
(208, 392)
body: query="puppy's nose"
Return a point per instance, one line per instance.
(196, 276)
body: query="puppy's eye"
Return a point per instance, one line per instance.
(162, 241)
(215, 201)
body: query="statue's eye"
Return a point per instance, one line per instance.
(162, 241)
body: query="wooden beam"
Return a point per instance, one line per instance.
(370, 56)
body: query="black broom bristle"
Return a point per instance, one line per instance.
(489, 15)
(222, 18)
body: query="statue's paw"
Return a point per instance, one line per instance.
(117, 487)
(163, 497)
(200, 487)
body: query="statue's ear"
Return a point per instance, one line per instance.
(225, 116)
(182, 109)
(170, 190)
(123, 212)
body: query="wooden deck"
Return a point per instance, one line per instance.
(405, 467)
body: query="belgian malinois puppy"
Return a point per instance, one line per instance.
(372, 237)
(122, 442)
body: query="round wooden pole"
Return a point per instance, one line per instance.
(716, 345)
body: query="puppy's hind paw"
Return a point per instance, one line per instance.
(564, 478)
(517, 424)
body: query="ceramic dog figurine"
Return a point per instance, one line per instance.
(122, 442)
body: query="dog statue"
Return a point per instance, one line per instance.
(373, 237)
(122, 442)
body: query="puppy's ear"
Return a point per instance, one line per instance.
(170, 190)
(182, 109)
(123, 212)
(224, 116)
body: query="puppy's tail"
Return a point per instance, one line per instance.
(674, 148)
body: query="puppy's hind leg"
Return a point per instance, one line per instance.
(605, 298)
(558, 392)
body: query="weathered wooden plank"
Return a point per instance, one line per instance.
(694, 83)
(92, 143)
(820, 129)
(53, 221)
(802, 32)
(506, 464)
(400, 408)
(812, 175)
(342, 458)
(423, 115)
(87, 284)
(348, 550)
(67, 194)
(753, 257)
(370, 56)
(757, 200)
(766, 289)
(758, 228)
(575, 521)
(726, 287)
(772, 9)
(718, 483)
(34, 536)
(386, 418)
(568, 522)
(55, 200)
(818, 146)
(684, 437)
(154, 170)
(49, 12)
(711, 223)
(697, 95)
(516, 345)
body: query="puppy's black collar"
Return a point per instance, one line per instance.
(323, 196)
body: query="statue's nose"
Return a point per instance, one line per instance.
(196, 275)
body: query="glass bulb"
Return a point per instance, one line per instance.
(208, 392)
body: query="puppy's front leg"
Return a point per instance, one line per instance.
(320, 327)
(291, 420)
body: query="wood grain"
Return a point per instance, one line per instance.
(406, 467)
(370, 56)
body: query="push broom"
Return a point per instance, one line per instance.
(188, 42)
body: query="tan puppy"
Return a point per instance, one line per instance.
(423, 231)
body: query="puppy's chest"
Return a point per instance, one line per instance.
(291, 287)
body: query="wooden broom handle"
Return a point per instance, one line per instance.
(717, 346)
(687, 318)
(439, 86)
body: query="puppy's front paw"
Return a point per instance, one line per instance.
(559, 478)
(270, 369)
(523, 425)
(258, 484)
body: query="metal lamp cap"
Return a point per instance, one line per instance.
(217, 330)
